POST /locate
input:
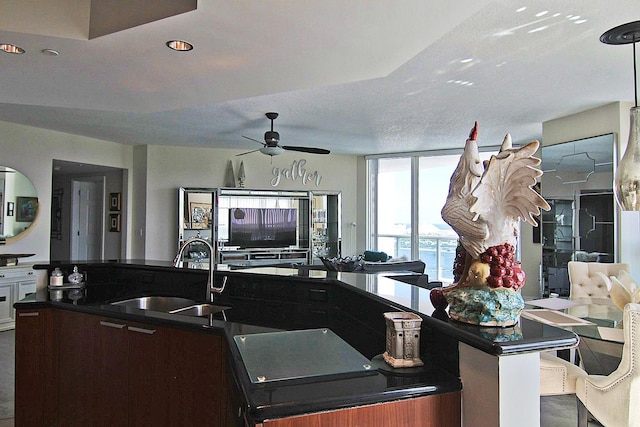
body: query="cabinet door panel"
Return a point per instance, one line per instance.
(93, 370)
(36, 370)
(196, 371)
(148, 376)
(6, 300)
(25, 289)
(112, 364)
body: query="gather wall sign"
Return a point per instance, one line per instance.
(296, 172)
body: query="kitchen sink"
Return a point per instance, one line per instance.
(200, 310)
(156, 303)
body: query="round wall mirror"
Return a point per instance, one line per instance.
(18, 205)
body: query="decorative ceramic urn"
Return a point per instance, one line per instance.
(403, 340)
(484, 206)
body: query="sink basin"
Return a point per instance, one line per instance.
(156, 303)
(200, 310)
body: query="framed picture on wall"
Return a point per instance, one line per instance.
(114, 222)
(114, 201)
(27, 208)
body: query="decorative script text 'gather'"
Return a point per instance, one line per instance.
(295, 172)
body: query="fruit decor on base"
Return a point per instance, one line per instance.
(485, 205)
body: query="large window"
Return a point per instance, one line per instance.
(407, 194)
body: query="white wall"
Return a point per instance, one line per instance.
(173, 167)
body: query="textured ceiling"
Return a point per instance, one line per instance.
(357, 77)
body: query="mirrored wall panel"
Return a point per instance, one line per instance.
(578, 184)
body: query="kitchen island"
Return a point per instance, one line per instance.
(192, 369)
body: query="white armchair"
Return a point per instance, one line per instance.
(586, 283)
(614, 399)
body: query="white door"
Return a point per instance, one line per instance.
(87, 219)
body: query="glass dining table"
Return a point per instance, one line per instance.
(598, 323)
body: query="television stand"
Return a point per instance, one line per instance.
(251, 257)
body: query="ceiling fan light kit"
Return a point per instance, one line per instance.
(272, 151)
(271, 145)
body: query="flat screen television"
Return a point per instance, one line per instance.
(263, 227)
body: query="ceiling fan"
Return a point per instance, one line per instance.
(271, 146)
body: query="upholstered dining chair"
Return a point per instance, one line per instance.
(614, 399)
(557, 376)
(584, 281)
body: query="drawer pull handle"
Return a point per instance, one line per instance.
(142, 330)
(3, 298)
(112, 325)
(29, 314)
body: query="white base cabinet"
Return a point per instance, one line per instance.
(15, 284)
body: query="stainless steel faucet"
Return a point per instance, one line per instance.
(211, 288)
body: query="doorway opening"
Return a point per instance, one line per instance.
(87, 218)
(79, 209)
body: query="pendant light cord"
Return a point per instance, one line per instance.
(635, 72)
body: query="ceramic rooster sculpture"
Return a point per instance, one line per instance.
(484, 206)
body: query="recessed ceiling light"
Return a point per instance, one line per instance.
(50, 52)
(180, 45)
(11, 48)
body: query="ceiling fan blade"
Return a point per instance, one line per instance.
(254, 140)
(306, 149)
(249, 152)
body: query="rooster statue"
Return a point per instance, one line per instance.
(484, 206)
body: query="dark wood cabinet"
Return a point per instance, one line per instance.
(196, 389)
(442, 410)
(111, 372)
(78, 369)
(35, 369)
(93, 368)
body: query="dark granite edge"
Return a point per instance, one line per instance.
(285, 410)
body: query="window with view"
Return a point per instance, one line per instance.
(407, 195)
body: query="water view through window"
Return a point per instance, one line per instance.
(409, 193)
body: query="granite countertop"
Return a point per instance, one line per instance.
(389, 288)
